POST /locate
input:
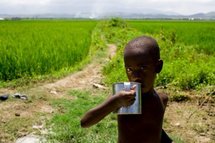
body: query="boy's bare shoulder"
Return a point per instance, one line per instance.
(164, 97)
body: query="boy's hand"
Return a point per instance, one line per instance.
(126, 98)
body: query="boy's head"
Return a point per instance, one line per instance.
(142, 61)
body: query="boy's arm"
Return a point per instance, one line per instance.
(96, 114)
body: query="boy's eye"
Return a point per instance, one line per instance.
(142, 68)
(129, 69)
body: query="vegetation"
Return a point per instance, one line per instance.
(188, 57)
(54, 48)
(66, 124)
(35, 49)
(31, 49)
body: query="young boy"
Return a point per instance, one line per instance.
(142, 63)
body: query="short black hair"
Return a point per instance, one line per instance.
(145, 42)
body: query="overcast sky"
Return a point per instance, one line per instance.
(102, 6)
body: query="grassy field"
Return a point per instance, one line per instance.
(36, 48)
(187, 50)
(66, 124)
(187, 32)
(188, 55)
(30, 49)
(188, 59)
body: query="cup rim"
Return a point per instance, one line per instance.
(126, 81)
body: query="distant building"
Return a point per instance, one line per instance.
(1, 18)
(15, 18)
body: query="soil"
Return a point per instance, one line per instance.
(38, 104)
(192, 120)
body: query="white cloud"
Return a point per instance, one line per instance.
(100, 6)
(25, 2)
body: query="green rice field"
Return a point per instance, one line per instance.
(33, 48)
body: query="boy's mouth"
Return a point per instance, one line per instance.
(138, 80)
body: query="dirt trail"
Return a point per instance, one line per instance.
(186, 119)
(89, 77)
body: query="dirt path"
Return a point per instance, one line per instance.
(14, 109)
(89, 77)
(188, 120)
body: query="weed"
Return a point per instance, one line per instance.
(66, 126)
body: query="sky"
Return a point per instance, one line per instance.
(185, 7)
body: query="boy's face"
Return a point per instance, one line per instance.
(140, 67)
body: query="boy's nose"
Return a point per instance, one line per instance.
(136, 74)
(136, 77)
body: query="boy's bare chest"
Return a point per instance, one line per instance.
(149, 123)
(152, 113)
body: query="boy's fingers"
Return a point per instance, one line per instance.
(133, 91)
(130, 92)
(133, 87)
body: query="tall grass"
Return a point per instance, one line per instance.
(200, 34)
(32, 48)
(187, 49)
(188, 54)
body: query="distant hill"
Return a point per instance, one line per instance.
(210, 15)
(169, 15)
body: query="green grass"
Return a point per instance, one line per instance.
(185, 66)
(188, 55)
(35, 48)
(66, 123)
(194, 33)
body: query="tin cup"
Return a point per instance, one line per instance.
(135, 108)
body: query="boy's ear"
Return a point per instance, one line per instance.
(159, 66)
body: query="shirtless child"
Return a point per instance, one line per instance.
(142, 63)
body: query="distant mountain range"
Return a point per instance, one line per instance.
(203, 16)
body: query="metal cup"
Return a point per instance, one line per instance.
(135, 108)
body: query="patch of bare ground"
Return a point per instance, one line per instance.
(22, 117)
(193, 120)
(87, 78)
